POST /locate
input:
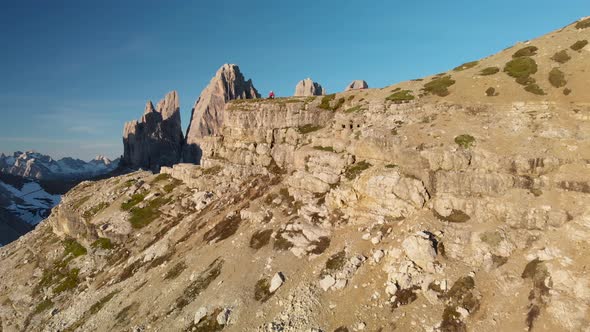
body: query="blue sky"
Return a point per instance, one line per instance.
(74, 71)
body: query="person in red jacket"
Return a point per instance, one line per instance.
(271, 95)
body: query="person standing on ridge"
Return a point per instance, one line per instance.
(271, 95)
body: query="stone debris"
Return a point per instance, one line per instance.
(277, 281)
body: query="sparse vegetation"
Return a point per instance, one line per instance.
(175, 271)
(583, 24)
(170, 186)
(489, 71)
(391, 166)
(353, 109)
(491, 92)
(141, 217)
(400, 97)
(308, 128)
(103, 243)
(466, 65)
(557, 78)
(567, 91)
(133, 201)
(439, 86)
(525, 52)
(521, 69)
(339, 104)
(261, 290)
(356, 169)
(561, 57)
(200, 283)
(534, 88)
(224, 229)
(161, 177)
(72, 247)
(324, 148)
(325, 102)
(260, 238)
(465, 141)
(456, 216)
(70, 281)
(579, 45)
(90, 213)
(214, 170)
(460, 295)
(43, 305)
(335, 263)
(81, 202)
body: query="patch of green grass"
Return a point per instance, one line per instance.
(261, 290)
(535, 89)
(491, 92)
(335, 263)
(325, 102)
(339, 104)
(439, 86)
(133, 201)
(175, 271)
(141, 217)
(557, 78)
(353, 109)
(465, 141)
(525, 52)
(467, 65)
(324, 148)
(69, 282)
(521, 69)
(400, 97)
(170, 186)
(90, 213)
(43, 305)
(561, 57)
(161, 177)
(583, 24)
(308, 128)
(212, 170)
(103, 243)
(356, 169)
(72, 247)
(81, 202)
(579, 45)
(489, 71)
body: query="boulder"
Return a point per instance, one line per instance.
(307, 87)
(276, 282)
(357, 85)
(420, 251)
(156, 139)
(207, 114)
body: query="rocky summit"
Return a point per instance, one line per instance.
(454, 202)
(357, 85)
(208, 113)
(308, 87)
(156, 139)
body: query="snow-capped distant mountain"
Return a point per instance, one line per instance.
(30, 203)
(35, 165)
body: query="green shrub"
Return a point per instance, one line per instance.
(557, 78)
(170, 186)
(212, 170)
(133, 201)
(526, 51)
(161, 177)
(103, 243)
(466, 65)
(491, 92)
(439, 86)
(583, 24)
(325, 103)
(489, 71)
(141, 217)
(324, 148)
(43, 305)
(69, 282)
(561, 57)
(567, 91)
(354, 170)
(465, 141)
(74, 248)
(521, 69)
(400, 97)
(308, 128)
(391, 166)
(579, 45)
(93, 211)
(339, 104)
(353, 109)
(534, 88)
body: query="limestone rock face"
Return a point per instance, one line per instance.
(156, 139)
(307, 87)
(207, 114)
(357, 85)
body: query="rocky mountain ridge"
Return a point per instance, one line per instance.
(432, 204)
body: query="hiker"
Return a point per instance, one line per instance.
(271, 95)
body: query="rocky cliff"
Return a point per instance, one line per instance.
(155, 140)
(357, 85)
(419, 206)
(207, 114)
(308, 87)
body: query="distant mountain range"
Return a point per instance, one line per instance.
(31, 184)
(35, 165)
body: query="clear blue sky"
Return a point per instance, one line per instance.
(74, 71)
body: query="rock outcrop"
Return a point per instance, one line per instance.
(308, 87)
(357, 85)
(207, 114)
(156, 139)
